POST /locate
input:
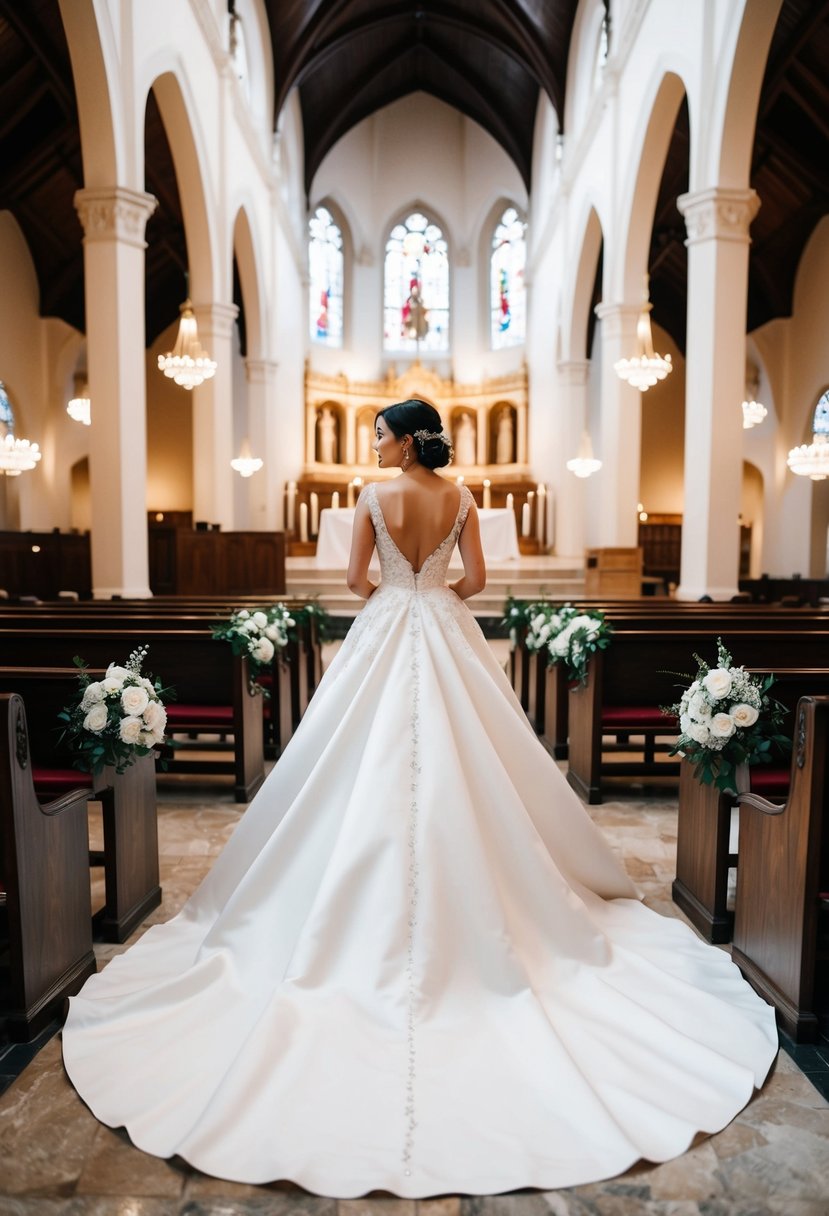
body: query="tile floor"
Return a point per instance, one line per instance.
(56, 1160)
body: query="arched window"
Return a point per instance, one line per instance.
(416, 287)
(6, 411)
(325, 271)
(820, 422)
(506, 281)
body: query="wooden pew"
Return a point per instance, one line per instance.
(129, 807)
(630, 680)
(784, 869)
(703, 854)
(44, 869)
(211, 684)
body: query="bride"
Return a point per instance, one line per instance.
(417, 965)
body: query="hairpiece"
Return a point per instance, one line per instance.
(424, 436)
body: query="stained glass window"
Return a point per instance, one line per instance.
(506, 281)
(416, 287)
(820, 423)
(6, 411)
(325, 271)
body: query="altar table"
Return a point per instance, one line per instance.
(499, 538)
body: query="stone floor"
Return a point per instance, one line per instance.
(57, 1160)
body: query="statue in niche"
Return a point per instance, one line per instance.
(327, 436)
(364, 442)
(414, 314)
(464, 442)
(505, 437)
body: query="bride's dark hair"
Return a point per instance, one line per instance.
(409, 417)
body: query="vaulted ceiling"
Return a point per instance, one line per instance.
(488, 58)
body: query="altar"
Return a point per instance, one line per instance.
(499, 538)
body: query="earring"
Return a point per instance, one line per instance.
(406, 455)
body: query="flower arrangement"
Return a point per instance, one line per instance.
(568, 635)
(726, 718)
(117, 718)
(261, 633)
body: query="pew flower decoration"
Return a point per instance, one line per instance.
(258, 635)
(727, 718)
(116, 719)
(582, 634)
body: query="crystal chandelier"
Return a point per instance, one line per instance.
(17, 455)
(753, 414)
(187, 363)
(245, 464)
(79, 408)
(645, 367)
(811, 459)
(585, 463)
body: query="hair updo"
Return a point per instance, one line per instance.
(409, 417)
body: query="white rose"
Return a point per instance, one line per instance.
(262, 649)
(134, 700)
(537, 621)
(260, 619)
(148, 684)
(131, 730)
(155, 716)
(684, 723)
(112, 684)
(721, 726)
(289, 621)
(250, 627)
(717, 683)
(93, 695)
(744, 715)
(698, 731)
(699, 708)
(96, 719)
(272, 632)
(243, 615)
(114, 672)
(148, 738)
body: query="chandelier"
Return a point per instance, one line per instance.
(585, 463)
(187, 363)
(80, 407)
(17, 455)
(645, 367)
(811, 459)
(753, 414)
(245, 464)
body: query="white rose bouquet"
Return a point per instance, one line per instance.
(117, 718)
(568, 635)
(727, 718)
(259, 635)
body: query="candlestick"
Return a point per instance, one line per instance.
(290, 513)
(487, 494)
(335, 501)
(510, 502)
(525, 519)
(315, 513)
(303, 522)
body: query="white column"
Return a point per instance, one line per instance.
(621, 432)
(213, 419)
(717, 221)
(264, 490)
(570, 490)
(114, 220)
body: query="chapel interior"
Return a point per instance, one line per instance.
(593, 233)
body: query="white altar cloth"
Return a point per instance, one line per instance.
(499, 538)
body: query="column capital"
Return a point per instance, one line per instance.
(573, 372)
(114, 213)
(718, 214)
(618, 319)
(216, 319)
(260, 371)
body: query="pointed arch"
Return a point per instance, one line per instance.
(577, 319)
(245, 249)
(734, 111)
(95, 76)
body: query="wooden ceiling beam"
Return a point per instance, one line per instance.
(817, 13)
(19, 17)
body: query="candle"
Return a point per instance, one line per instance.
(358, 485)
(487, 494)
(335, 501)
(303, 522)
(349, 494)
(459, 481)
(525, 519)
(290, 514)
(315, 513)
(510, 502)
(541, 514)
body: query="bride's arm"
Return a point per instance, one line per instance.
(472, 556)
(362, 547)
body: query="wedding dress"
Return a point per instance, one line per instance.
(417, 965)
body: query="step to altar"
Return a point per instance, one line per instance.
(528, 578)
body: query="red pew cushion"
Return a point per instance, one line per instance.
(205, 715)
(50, 783)
(633, 717)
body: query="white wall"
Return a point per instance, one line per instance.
(420, 153)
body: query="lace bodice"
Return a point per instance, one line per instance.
(396, 570)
